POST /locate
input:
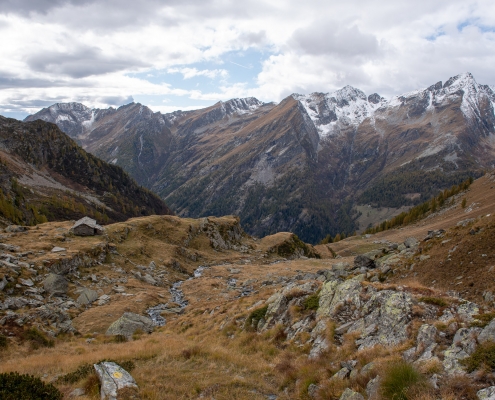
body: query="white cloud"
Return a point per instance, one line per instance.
(100, 52)
(189, 73)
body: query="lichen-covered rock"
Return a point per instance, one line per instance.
(386, 318)
(113, 379)
(488, 333)
(130, 323)
(363, 261)
(337, 297)
(467, 310)
(487, 393)
(55, 284)
(411, 242)
(351, 395)
(463, 346)
(372, 388)
(425, 344)
(87, 296)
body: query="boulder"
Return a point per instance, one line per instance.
(386, 317)
(463, 346)
(372, 388)
(130, 323)
(487, 393)
(351, 395)
(113, 379)
(488, 333)
(86, 297)
(337, 297)
(362, 261)
(312, 390)
(55, 284)
(411, 242)
(16, 229)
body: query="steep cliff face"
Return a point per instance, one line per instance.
(46, 175)
(302, 164)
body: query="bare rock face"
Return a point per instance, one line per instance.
(114, 379)
(130, 323)
(87, 296)
(55, 284)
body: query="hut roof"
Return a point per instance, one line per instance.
(89, 222)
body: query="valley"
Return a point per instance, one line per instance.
(269, 318)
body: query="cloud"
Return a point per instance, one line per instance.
(107, 52)
(80, 62)
(332, 38)
(189, 73)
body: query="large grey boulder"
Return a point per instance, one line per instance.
(463, 346)
(337, 297)
(487, 393)
(387, 315)
(130, 323)
(362, 261)
(351, 395)
(87, 296)
(488, 333)
(411, 242)
(113, 379)
(55, 284)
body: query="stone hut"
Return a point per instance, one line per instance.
(87, 227)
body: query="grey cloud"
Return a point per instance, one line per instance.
(326, 37)
(253, 38)
(27, 7)
(7, 81)
(115, 100)
(80, 63)
(37, 103)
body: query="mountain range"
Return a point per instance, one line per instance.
(302, 165)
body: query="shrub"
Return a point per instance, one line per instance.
(37, 338)
(484, 355)
(436, 301)
(256, 316)
(463, 204)
(483, 320)
(399, 379)
(119, 339)
(312, 302)
(14, 386)
(3, 342)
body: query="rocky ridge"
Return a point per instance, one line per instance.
(298, 160)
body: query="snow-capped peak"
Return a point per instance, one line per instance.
(241, 105)
(332, 111)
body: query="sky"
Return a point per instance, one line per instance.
(188, 54)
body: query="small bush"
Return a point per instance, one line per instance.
(483, 356)
(436, 301)
(3, 342)
(81, 372)
(312, 302)
(119, 339)
(14, 386)
(256, 316)
(399, 379)
(92, 385)
(483, 320)
(191, 352)
(463, 204)
(37, 338)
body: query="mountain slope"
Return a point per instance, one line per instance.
(301, 165)
(44, 171)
